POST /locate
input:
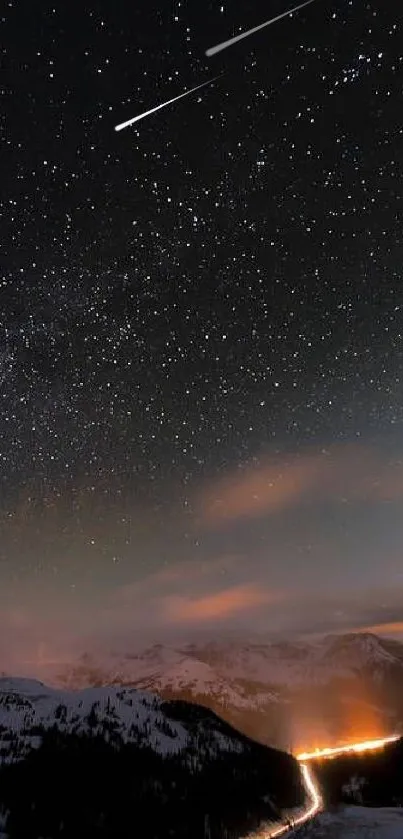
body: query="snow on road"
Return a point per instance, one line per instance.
(358, 823)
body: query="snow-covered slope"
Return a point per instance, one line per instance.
(119, 714)
(171, 672)
(198, 678)
(94, 762)
(224, 667)
(358, 823)
(293, 664)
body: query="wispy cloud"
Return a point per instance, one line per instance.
(166, 607)
(221, 604)
(344, 473)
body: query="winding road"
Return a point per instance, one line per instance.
(314, 798)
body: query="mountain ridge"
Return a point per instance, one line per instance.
(91, 762)
(277, 692)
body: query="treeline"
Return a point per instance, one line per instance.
(81, 786)
(373, 779)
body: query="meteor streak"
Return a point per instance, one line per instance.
(163, 105)
(231, 41)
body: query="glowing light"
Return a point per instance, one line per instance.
(314, 807)
(231, 41)
(364, 746)
(311, 787)
(163, 105)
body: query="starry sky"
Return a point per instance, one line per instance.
(201, 321)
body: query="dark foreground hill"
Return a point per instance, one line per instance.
(114, 763)
(373, 779)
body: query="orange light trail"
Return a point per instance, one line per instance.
(311, 811)
(312, 789)
(365, 745)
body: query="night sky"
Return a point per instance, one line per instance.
(201, 321)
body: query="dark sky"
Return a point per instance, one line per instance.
(201, 319)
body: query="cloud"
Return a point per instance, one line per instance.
(184, 572)
(231, 596)
(211, 591)
(219, 605)
(269, 488)
(344, 473)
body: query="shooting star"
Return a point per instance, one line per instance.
(163, 105)
(231, 41)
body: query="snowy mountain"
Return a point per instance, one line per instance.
(88, 763)
(280, 665)
(125, 715)
(298, 664)
(270, 690)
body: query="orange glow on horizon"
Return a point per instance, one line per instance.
(395, 628)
